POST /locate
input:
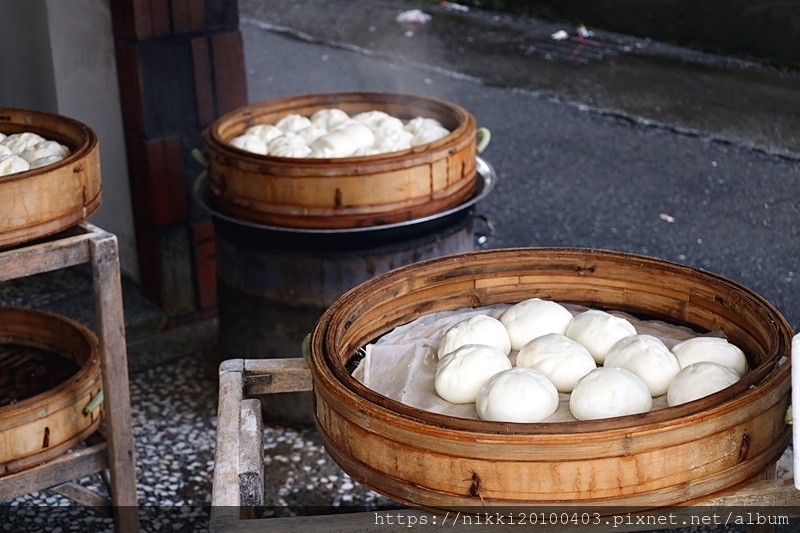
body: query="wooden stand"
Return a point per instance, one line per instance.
(86, 243)
(238, 484)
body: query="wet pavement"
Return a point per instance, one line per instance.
(657, 150)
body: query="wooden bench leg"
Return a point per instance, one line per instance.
(114, 363)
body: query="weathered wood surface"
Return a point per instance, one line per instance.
(269, 376)
(65, 468)
(758, 493)
(86, 243)
(251, 451)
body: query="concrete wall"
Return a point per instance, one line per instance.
(58, 56)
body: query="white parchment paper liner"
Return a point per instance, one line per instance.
(402, 364)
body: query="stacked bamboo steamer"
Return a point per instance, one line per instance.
(345, 192)
(35, 204)
(664, 457)
(40, 202)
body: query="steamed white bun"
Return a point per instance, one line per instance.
(609, 392)
(562, 360)
(293, 123)
(11, 164)
(44, 149)
(265, 132)
(517, 395)
(647, 357)
(598, 331)
(479, 329)
(19, 142)
(329, 118)
(532, 318)
(461, 373)
(715, 349)
(699, 380)
(250, 143)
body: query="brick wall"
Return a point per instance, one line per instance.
(180, 65)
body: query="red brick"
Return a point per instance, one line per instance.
(205, 263)
(203, 81)
(131, 90)
(160, 16)
(188, 16)
(122, 19)
(157, 184)
(149, 254)
(227, 52)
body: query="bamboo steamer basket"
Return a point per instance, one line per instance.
(44, 426)
(46, 200)
(342, 192)
(670, 456)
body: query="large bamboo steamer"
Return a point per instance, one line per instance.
(44, 426)
(343, 192)
(664, 457)
(46, 200)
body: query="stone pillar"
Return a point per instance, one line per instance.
(180, 65)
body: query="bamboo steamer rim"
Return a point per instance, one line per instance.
(83, 350)
(250, 115)
(330, 374)
(21, 118)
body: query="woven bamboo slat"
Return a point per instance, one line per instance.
(664, 457)
(345, 192)
(46, 200)
(44, 426)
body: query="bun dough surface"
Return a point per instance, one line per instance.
(479, 329)
(699, 380)
(598, 331)
(647, 357)
(609, 392)
(533, 318)
(461, 373)
(715, 349)
(562, 360)
(517, 395)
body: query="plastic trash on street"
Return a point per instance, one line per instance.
(412, 16)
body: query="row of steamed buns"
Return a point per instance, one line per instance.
(27, 150)
(333, 133)
(608, 369)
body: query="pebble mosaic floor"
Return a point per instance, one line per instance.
(174, 421)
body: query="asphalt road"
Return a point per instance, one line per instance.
(647, 148)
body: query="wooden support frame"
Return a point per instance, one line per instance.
(239, 379)
(86, 243)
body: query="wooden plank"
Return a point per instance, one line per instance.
(43, 257)
(225, 496)
(251, 453)
(84, 496)
(269, 376)
(114, 361)
(60, 470)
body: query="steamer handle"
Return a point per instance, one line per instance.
(482, 139)
(94, 403)
(200, 157)
(305, 347)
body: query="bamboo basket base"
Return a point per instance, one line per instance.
(48, 454)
